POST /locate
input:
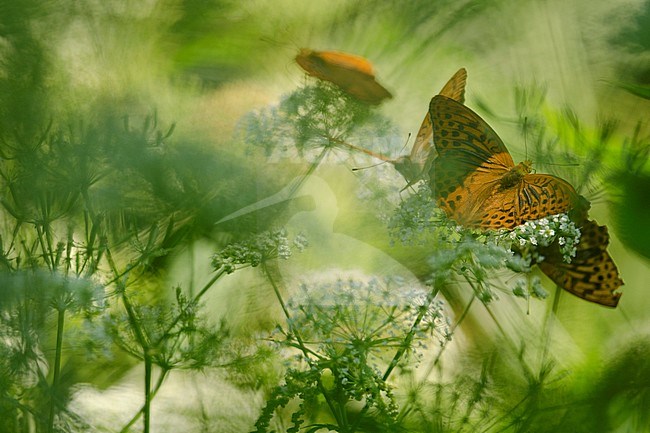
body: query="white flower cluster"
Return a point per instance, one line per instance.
(266, 245)
(348, 312)
(532, 235)
(352, 328)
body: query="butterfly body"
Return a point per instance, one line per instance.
(514, 177)
(353, 74)
(410, 169)
(475, 181)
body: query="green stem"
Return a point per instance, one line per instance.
(193, 303)
(14, 236)
(503, 332)
(398, 355)
(436, 360)
(405, 345)
(147, 393)
(57, 369)
(133, 320)
(92, 225)
(505, 415)
(46, 256)
(152, 394)
(340, 418)
(142, 341)
(548, 323)
(48, 249)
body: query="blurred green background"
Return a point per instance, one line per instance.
(156, 93)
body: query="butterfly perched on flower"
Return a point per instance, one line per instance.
(475, 181)
(415, 165)
(353, 74)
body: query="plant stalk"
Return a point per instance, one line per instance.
(340, 418)
(147, 393)
(57, 369)
(398, 355)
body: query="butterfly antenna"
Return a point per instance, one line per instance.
(284, 40)
(562, 164)
(283, 44)
(408, 137)
(526, 137)
(370, 166)
(269, 40)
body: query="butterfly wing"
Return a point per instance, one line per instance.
(471, 159)
(353, 74)
(362, 87)
(422, 153)
(542, 195)
(313, 61)
(455, 87)
(493, 207)
(479, 204)
(592, 274)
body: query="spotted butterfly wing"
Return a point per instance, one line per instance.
(495, 206)
(353, 74)
(474, 179)
(415, 165)
(455, 87)
(592, 274)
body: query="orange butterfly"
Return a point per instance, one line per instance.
(353, 74)
(416, 164)
(476, 183)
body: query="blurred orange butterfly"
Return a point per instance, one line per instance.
(353, 74)
(416, 164)
(476, 183)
